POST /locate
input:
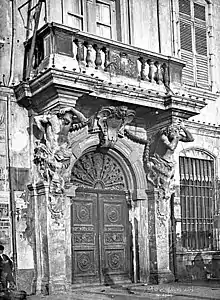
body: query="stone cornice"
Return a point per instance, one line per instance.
(207, 129)
(54, 85)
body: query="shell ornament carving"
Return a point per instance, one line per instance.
(98, 171)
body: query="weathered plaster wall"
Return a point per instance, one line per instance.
(13, 33)
(5, 233)
(14, 140)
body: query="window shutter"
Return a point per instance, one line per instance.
(202, 66)
(193, 43)
(188, 70)
(185, 36)
(184, 7)
(201, 40)
(202, 72)
(186, 52)
(199, 12)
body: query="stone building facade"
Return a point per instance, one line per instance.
(109, 127)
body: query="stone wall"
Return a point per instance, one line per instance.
(14, 130)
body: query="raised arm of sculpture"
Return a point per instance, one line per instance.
(187, 137)
(40, 120)
(77, 113)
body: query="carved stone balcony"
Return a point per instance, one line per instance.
(68, 64)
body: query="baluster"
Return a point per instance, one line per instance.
(89, 62)
(158, 74)
(98, 57)
(80, 52)
(152, 70)
(165, 74)
(106, 62)
(144, 69)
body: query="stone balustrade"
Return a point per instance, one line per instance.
(58, 45)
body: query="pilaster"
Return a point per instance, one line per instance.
(158, 209)
(52, 247)
(39, 198)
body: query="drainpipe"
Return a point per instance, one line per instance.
(158, 25)
(211, 46)
(12, 205)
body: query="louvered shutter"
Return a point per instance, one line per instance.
(184, 7)
(199, 12)
(193, 43)
(202, 66)
(186, 52)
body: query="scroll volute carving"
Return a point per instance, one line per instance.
(112, 121)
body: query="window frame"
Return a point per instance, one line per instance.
(197, 156)
(73, 14)
(113, 22)
(198, 72)
(120, 15)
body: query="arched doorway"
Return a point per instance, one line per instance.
(101, 234)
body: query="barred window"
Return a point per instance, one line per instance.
(197, 203)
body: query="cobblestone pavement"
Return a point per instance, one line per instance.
(177, 291)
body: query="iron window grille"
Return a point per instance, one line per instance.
(197, 202)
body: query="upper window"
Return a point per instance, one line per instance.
(75, 10)
(95, 16)
(105, 19)
(194, 42)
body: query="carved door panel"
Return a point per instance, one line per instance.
(114, 239)
(100, 241)
(85, 255)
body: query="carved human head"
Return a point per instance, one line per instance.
(122, 111)
(173, 130)
(66, 122)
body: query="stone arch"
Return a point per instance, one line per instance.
(197, 152)
(126, 157)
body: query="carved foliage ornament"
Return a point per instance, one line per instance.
(112, 121)
(121, 64)
(99, 171)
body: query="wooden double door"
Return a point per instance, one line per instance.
(100, 237)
